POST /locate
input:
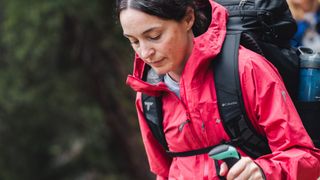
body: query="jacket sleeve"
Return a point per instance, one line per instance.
(158, 160)
(161, 178)
(273, 114)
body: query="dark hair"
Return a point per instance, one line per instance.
(172, 9)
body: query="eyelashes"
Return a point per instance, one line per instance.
(135, 42)
(154, 38)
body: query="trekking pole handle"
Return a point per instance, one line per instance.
(227, 153)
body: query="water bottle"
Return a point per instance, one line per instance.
(309, 87)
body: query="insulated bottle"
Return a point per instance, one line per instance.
(309, 86)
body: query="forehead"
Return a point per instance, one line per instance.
(134, 21)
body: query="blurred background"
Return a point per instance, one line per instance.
(65, 111)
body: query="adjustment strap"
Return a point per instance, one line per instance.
(190, 153)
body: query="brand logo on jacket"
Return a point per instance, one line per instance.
(148, 105)
(229, 104)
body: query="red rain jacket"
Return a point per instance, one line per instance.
(193, 122)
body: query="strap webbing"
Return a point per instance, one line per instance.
(190, 153)
(230, 101)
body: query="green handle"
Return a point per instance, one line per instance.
(225, 152)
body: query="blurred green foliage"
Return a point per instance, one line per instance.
(65, 112)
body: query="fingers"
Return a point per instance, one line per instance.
(237, 168)
(223, 169)
(245, 168)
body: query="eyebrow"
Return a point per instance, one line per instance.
(144, 32)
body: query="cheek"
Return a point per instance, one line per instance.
(173, 45)
(172, 52)
(167, 48)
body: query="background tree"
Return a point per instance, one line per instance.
(65, 111)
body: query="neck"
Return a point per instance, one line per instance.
(174, 76)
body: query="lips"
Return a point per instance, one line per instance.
(156, 63)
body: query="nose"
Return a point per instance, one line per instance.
(146, 51)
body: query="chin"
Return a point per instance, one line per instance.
(159, 71)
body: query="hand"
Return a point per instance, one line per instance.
(245, 168)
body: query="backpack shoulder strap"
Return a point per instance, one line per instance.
(230, 101)
(152, 108)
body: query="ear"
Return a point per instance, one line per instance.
(189, 18)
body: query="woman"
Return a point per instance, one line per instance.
(177, 42)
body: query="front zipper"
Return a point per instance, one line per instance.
(203, 127)
(191, 127)
(193, 135)
(204, 133)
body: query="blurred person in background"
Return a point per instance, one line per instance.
(307, 15)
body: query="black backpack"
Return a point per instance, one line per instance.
(266, 27)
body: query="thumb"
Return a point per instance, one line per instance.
(223, 169)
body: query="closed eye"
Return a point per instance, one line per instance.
(155, 37)
(131, 39)
(134, 42)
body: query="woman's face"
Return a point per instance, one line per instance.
(163, 44)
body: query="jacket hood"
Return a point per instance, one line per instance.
(206, 47)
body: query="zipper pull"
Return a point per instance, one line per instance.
(242, 3)
(182, 124)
